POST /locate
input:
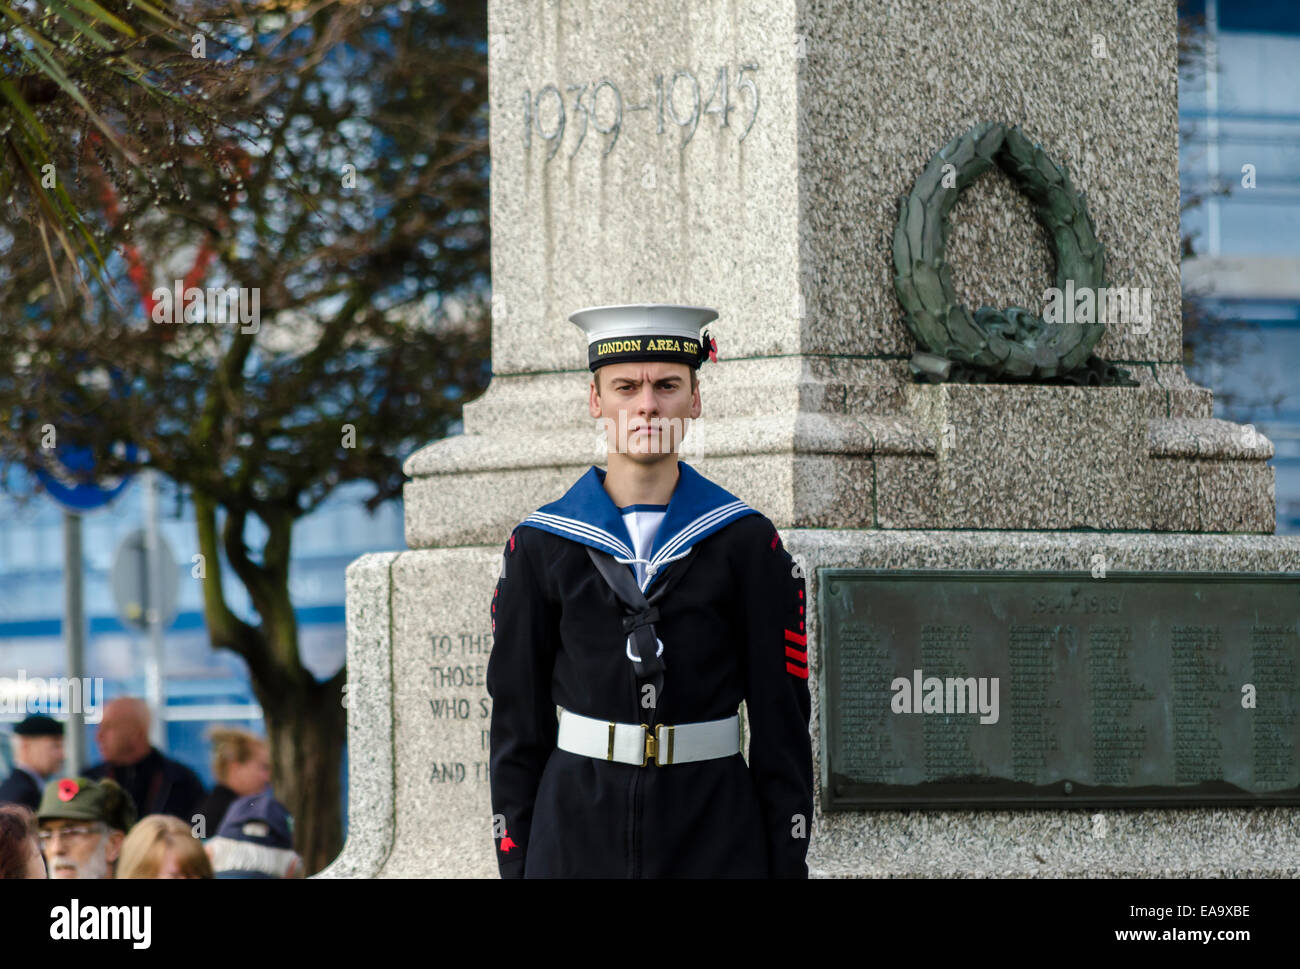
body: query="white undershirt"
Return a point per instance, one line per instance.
(642, 523)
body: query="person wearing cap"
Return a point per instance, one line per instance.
(646, 604)
(38, 755)
(255, 840)
(82, 825)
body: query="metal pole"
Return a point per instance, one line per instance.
(154, 694)
(74, 637)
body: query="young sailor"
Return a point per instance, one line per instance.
(647, 603)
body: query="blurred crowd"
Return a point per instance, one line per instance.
(140, 814)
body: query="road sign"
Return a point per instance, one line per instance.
(130, 581)
(64, 477)
(68, 474)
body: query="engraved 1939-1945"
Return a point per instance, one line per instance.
(675, 98)
(458, 679)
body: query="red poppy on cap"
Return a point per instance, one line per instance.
(713, 350)
(68, 789)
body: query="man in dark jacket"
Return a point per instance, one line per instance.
(648, 602)
(157, 784)
(38, 755)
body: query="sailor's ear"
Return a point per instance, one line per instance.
(593, 399)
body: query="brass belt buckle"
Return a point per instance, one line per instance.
(653, 748)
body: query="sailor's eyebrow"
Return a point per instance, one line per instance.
(622, 382)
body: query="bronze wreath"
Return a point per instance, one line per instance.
(1014, 343)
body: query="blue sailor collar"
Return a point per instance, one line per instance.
(587, 514)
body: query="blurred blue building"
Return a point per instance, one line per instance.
(1239, 107)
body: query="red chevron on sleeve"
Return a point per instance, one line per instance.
(799, 655)
(798, 668)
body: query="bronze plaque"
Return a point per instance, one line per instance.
(967, 689)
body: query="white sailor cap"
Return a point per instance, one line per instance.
(647, 331)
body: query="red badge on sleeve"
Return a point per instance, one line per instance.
(801, 656)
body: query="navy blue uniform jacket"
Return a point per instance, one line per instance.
(733, 628)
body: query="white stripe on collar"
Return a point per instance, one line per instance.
(703, 523)
(581, 528)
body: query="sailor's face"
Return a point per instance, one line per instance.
(645, 406)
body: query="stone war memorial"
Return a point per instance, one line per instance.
(1050, 630)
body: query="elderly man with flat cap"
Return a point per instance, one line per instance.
(82, 824)
(157, 784)
(38, 755)
(647, 603)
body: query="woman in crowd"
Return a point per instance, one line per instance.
(20, 851)
(241, 764)
(161, 846)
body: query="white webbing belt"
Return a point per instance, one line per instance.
(631, 743)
